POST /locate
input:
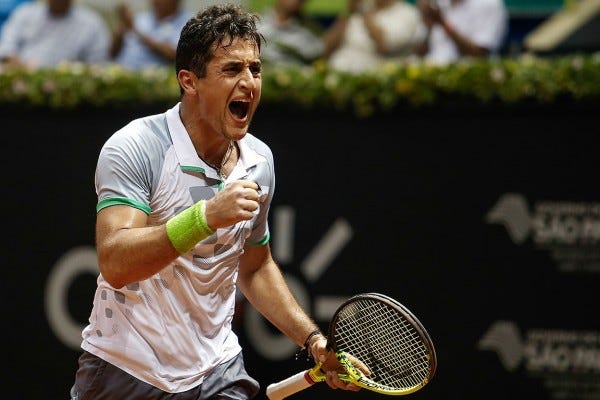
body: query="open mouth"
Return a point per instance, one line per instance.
(239, 108)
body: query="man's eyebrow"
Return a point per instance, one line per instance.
(237, 63)
(232, 63)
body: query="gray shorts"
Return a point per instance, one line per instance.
(97, 379)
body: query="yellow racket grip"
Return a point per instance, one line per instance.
(316, 373)
(352, 373)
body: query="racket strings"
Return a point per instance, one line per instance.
(386, 341)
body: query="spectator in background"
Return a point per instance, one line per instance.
(7, 7)
(40, 34)
(148, 38)
(462, 28)
(372, 33)
(291, 36)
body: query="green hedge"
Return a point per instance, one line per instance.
(506, 81)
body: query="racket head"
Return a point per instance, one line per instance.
(388, 339)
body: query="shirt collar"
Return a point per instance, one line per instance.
(189, 159)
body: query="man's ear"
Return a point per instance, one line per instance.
(187, 81)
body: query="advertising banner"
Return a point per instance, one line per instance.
(484, 223)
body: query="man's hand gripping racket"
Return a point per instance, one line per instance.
(379, 345)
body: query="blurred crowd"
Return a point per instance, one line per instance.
(44, 33)
(371, 32)
(363, 36)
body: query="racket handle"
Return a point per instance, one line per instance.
(289, 386)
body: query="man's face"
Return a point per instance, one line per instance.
(292, 6)
(230, 92)
(59, 6)
(163, 8)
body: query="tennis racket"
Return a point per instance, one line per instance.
(382, 334)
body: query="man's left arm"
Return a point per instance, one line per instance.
(262, 282)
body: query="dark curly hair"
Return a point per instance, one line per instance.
(215, 26)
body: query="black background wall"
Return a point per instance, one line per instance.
(484, 222)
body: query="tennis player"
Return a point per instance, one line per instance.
(183, 203)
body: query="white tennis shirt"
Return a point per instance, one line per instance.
(173, 328)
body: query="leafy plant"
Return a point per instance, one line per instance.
(502, 82)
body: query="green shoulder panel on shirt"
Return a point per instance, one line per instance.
(114, 201)
(262, 242)
(192, 168)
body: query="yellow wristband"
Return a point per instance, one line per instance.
(189, 227)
